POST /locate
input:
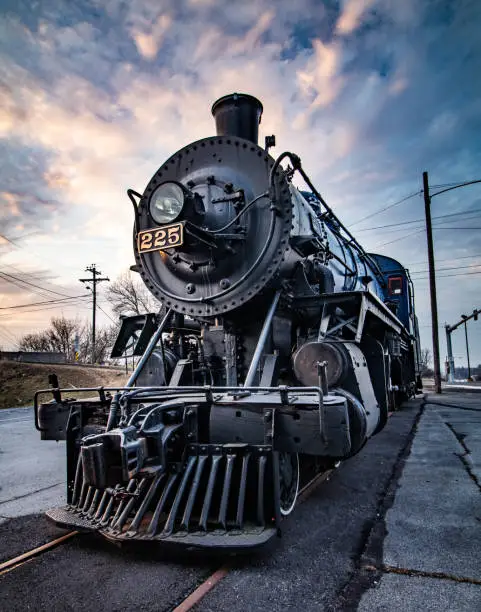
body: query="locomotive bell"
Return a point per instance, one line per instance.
(238, 115)
(307, 357)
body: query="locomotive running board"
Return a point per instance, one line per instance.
(356, 305)
(224, 496)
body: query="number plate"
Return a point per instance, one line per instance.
(161, 238)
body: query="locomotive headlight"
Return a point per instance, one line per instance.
(167, 203)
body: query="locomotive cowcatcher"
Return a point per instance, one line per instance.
(279, 349)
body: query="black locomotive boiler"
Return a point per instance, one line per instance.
(279, 349)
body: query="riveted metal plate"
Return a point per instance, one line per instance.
(205, 276)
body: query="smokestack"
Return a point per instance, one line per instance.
(238, 115)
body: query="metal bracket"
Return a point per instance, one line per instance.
(269, 421)
(270, 371)
(322, 374)
(181, 373)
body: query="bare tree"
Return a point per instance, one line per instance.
(61, 337)
(104, 340)
(62, 334)
(128, 296)
(34, 342)
(425, 361)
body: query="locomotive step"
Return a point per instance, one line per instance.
(249, 538)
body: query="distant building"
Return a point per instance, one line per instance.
(461, 373)
(33, 356)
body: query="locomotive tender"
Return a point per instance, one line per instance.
(280, 349)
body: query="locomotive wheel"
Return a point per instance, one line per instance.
(288, 481)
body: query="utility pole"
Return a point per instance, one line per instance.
(432, 285)
(94, 280)
(432, 276)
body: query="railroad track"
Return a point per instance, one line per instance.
(11, 564)
(197, 594)
(201, 591)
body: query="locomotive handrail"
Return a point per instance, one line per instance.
(134, 194)
(208, 390)
(297, 165)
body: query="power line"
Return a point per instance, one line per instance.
(446, 184)
(107, 315)
(398, 239)
(14, 239)
(456, 186)
(413, 263)
(60, 300)
(449, 184)
(381, 210)
(21, 280)
(7, 334)
(26, 288)
(33, 276)
(80, 305)
(19, 284)
(420, 225)
(449, 268)
(448, 275)
(370, 229)
(7, 239)
(378, 212)
(422, 230)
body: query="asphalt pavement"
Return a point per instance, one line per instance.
(431, 558)
(32, 472)
(349, 546)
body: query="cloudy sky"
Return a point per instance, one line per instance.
(95, 94)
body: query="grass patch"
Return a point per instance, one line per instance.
(19, 381)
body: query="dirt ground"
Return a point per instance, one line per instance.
(19, 381)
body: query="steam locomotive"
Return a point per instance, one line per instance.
(280, 348)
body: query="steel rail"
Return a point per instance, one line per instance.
(193, 598)
(209, 583)
(8, 566)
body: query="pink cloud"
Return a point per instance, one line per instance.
(351, 16)
(149, 42)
